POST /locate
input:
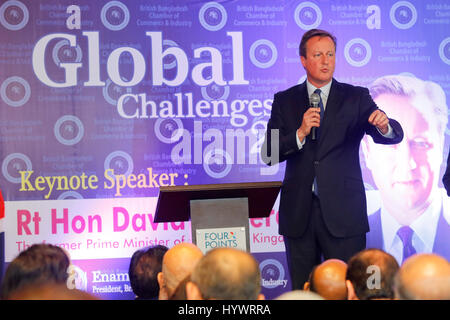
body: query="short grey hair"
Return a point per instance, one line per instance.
(410, 87)
(219, 275)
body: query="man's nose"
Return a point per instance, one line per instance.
(405, 157)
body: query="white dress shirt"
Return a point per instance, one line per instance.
(424, 228)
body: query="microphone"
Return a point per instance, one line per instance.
(314, 101)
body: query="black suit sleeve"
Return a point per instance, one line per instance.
(372, 130)
(280, 140)
(446, 178)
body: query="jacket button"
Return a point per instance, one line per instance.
(316, 163)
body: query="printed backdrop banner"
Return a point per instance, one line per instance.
(103, 102)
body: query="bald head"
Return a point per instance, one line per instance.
(178, 263)
(328, 280)
(423, 277)
(227, 273)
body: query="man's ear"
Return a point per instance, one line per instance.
(351, 295)
(303, 61)
(162, 288)
(193, 292)
(306, 286)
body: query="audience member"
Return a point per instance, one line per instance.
(328, 280)
(40, 263)
(307, 285)
(178, 263)
(225, 274)
(370, 275)
(299, 295)
(144, 267)
(184, 273)
(423, 277)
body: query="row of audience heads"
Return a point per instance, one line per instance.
(185, 273)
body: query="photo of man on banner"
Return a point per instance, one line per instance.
(412, 212)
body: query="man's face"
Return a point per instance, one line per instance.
(320, 60)
(406, 173)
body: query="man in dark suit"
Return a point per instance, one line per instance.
(322, 206)
(412, 213)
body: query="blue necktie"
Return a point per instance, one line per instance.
(405, 233)
(318, 91)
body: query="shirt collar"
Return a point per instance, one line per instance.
(325, 90)
(424, 226)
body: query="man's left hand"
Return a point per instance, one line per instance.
(379, 119)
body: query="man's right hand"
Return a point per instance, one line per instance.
(311, 118)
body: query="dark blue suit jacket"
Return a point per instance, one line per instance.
(333, 158)
(374, 238)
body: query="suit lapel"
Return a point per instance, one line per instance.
(301, 103)
(333, 104)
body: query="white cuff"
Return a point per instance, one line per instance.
(299, 143)
(389, 134)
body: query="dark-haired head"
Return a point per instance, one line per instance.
(40, 263)
(144, 267)
(314, 33)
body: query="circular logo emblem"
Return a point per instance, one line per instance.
(272, 273)
(212, 16)
(13, 15)
(403, 15)
(169, 61)
(115, 15)
(13, 164)
(112, 92)
(63, 52)
(215, 92)
(217, 163)
(444, 50)
(120, 161)
(69, 130)
(307, 15)
(15, 91)
(357, 52)
(70, 195)
(263, 53)
(258, 128)
(168, 130)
